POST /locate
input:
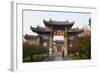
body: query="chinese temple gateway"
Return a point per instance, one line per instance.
(60, 28)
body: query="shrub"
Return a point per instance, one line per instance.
(31, 50)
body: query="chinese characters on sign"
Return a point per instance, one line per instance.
(59, 33)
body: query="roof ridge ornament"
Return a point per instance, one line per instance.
(67, 21)
(73, 21)
(38, 26)
(50, 20)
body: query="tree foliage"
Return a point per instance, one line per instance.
(30, 50)
(81, 45)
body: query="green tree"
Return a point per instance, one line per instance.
(82, 45)
(31, 50)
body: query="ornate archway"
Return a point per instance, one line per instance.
(56, 28)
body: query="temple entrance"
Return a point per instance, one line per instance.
(59, 48)
(58, 43)
(53, 30)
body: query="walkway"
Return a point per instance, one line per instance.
(56, 58)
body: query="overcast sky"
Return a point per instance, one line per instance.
(35, 18)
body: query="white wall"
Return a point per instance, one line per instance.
(5, 35)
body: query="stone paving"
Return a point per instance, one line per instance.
(56, 58)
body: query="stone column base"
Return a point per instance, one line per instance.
(50, 51)
(65, 52)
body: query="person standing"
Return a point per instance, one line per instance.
(63, 53)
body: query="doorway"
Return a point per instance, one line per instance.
(58, 43)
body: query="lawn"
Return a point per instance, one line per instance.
(35, 58)
(75, 58)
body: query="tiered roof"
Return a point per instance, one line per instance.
(28, 37)
(56, 25)
(75, 31)
(40, 30)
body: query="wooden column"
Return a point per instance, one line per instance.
(65, 42)
(50, 43)
(38, 40)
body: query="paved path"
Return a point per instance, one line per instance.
(56, 58)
